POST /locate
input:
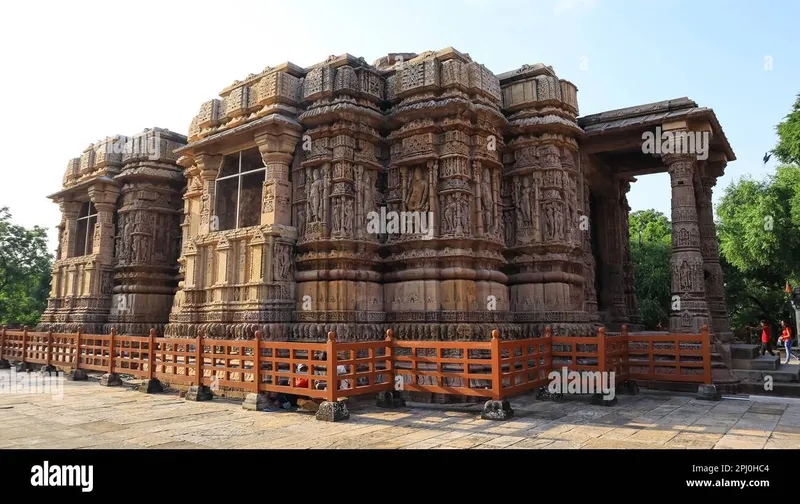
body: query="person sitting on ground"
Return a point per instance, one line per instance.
(301, 382)
(343, 384)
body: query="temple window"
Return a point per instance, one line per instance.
(85, 230)
(238, 190)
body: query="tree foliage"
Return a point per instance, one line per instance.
(650, 247)
(24, 272)
(759, 233)
(788, 148)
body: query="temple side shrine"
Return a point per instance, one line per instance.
(257, 219)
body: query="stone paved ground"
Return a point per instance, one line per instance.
(91, 416)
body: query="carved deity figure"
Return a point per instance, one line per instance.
(337, 215)
(508, 219)
(463, 210)
(417, 199)
(135, 243)
(315, 199)
(301, 221)
(347, 219)
(559, 221)
(449, 214)
(525, 202)
(487, 200)
(126, 238)
(572, 199)
(369, 193)
(549, 222)
(65, 243)
(282, 262)
(685, 276)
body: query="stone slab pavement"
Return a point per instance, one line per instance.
(87, 415)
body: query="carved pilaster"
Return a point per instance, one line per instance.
(714, 282)
(276, 152)
(628, 276)
(686, 262)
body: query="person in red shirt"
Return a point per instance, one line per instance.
(786, 338)
(766, 338)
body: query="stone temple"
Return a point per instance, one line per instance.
(262, 217)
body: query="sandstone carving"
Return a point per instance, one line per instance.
(527, 201)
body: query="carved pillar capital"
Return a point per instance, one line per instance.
(284, 142)
(208, 165)
(70, 209)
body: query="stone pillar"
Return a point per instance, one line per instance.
(629, 280)
(103, 233)
(278, 236)
(587, 220)
(686, 262)
(612, 293)
(276, 152)
(714, 283)
(208, 166)
(70, 209)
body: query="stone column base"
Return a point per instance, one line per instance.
(708, 393)
(77, 375)
(332, 411)
(256, 402)
(199, 393)
(497, 410)
(151, 386)
(391, 399)
(110, 380)
(4, 364)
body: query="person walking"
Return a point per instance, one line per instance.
(766, 338)
(786, 337)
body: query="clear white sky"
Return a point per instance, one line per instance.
(72, 73)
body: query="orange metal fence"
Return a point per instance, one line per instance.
(493, 369)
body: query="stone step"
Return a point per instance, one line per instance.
(765, 362)
(786, 373)
(778, 389)
(761, 362)
(742, 351)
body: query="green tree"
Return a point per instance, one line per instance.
(759, 232)
(650, 247)
(788, 148)
(24, 271)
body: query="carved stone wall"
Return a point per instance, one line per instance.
(422, 193)
(336, 195)
(138, 257)
(147, 240)
(542, 184)
(239, 280)
(444, 164)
